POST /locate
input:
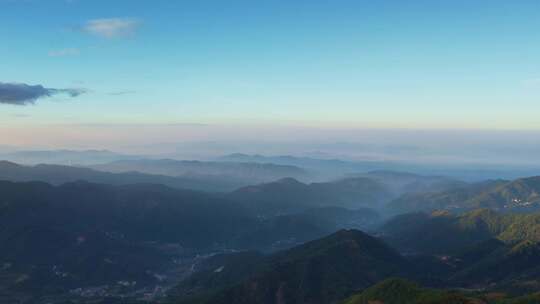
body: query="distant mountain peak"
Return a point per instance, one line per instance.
(8, 164)
(288, 181)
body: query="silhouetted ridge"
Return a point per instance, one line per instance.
(288, 195)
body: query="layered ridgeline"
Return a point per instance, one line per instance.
(144, 212)
(483, 248)
(72, 239)
(241, 173)
(321, 271)
(400, 183)
(440, 232)
(498, 254)
(81, 236)
(54, 239)
(120, 163)
(371, 190)
(328, 168)
(148, 212)
(378, 187)
(283, 197)
(518, 195)
(60, 174)
(205, 176)
(283, 231)
(333, 268)
(289, 195)
(335, 168)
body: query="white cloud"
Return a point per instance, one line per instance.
(112, 27)
(64, 52)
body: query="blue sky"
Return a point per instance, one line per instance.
(325, 64)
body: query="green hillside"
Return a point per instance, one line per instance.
(399, 291)
(322, 271)
(443, 232)
(516, 196)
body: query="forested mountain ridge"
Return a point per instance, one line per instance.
(289, 195)
(243, 173)
(321, 271)
(337, 266)
(60, 174)
(400, 291)
(518, 195)
(440, 232)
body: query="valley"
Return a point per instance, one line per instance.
(284, 241)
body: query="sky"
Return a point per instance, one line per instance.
(188, 70)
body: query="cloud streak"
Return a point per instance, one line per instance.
(64, 52)
(111, 28)
(119, 93)
(23, 94)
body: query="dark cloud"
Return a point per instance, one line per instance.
(24, 94)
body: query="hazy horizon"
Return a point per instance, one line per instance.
(475, 147)
(244, 65)
(450, 83)
(269, 152)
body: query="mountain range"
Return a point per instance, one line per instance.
(63, 157)
(59, 174)
(80, 235)
(401, 291)
(442, 232)
(321, 271)
(242, 173)
(519, 195)
(354, 267)
(289, 195)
